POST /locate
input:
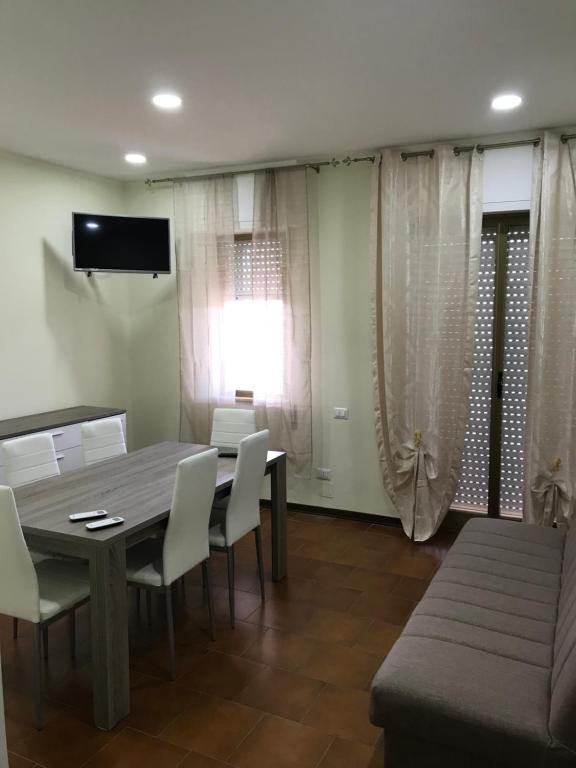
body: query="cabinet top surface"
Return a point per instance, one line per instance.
(38, 422)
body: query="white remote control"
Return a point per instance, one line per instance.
(108, 523)
(79, 516)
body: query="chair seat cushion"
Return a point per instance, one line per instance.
(473, 664)
(62, 585)
(144, 563)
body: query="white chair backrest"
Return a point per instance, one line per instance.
(29, 458)
(243, 512)
(186, 541)
(19, 595)
(230, 425)
(102, 439)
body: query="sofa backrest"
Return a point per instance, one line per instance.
(563, 703)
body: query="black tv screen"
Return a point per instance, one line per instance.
(120, 244)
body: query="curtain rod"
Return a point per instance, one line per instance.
(480, 147)
(567, 137)
(500, 145)
(316, 165)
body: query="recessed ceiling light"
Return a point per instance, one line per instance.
(135, 158)
(506, 101)
(167, 101)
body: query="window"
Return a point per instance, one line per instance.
(492, 466)
(252, 322)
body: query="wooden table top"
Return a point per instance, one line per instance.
(137, 486)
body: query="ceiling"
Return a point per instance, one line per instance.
(266, 80)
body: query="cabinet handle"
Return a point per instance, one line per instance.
(59, 457)
(57, 434)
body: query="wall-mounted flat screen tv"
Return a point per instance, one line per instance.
(120, 244)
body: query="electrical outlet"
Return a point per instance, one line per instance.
(327, 490)
(323, 473)
(341, 413)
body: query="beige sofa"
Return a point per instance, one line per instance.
(484, 673)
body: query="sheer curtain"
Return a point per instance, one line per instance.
(426, 239)
(280, 242)
(244, 308)
(204, 223)
(550, 457)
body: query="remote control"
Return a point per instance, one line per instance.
(108, 523)
(87, 515)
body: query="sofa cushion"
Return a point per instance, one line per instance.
(450, 694)
(474, 663)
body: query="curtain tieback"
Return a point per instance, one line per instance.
(411, 455)
(552, 496)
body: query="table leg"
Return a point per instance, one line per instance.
(109, 619)
(279, 519)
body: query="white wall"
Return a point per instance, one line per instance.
(113, 340)
(339, 202)
(154, 341)
(340, 283)
(63, 336)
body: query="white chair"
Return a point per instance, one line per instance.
(26, 460)
(30, 458)
(229, 427)
(156, 564)
(102, 439)
(40, 593)
(239, 513)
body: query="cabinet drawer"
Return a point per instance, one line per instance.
(70, 459)
(66, 437)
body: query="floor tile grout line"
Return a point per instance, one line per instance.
(256, 724)
(103, 746)
(163, 741)
(313, 702)
(328, 748)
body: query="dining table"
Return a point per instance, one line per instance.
(136, 486)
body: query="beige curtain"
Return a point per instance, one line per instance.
(550, 445)
(204, 224)
(426, 239)
(244, 308)
(282, 284)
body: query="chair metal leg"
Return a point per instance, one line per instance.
(137, 591)
(45, 641)
(208, 591)
(149, 607)
(170, 624)
(204, 592)
(72, 630)
(231, 593)
(37, 637)
(258, 537)
(15, 629)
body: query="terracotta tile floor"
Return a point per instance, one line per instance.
(288, 687)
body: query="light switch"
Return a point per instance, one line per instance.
(341, 413)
